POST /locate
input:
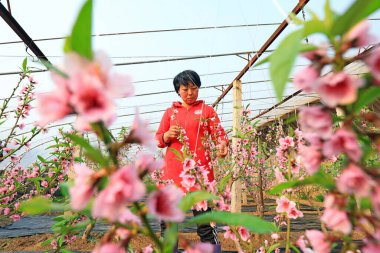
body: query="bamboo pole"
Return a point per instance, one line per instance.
(237, 103)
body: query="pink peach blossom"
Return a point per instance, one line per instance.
(141, 132)
(147, 162)
(119, 85)
(124, 186)
(373, 244)
(343, 141)
(244, 233)
(317, 54)
(15, 217)
(358, 36)
(53, 105)
(54, 244)
(284, 205)
(32, 79)
(201, 206)
(228, 234)
(333, 201)
(73, 63)
(338, 88)
(311, 158)
(148, 249)
(371, 248)
(7, 149)
(6, 211)
(316, 120)
(44, 183)
(353, 180)
(114, 84)
(108, 248)
(373, 62)
(82, 190)
(127, 216)
(313, 139)
(163, 204)
(305, 79)
(303, 244)
(286, 142)
(275, 237)
(123, 233)
(188, 180)
(337, 220)
(279, 176)
(375, 198)
(200, 248)
(88, 90)
(188, 164)
(294, 213)
(318, 241)
(91, 102)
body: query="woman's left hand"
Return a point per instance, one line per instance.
(222, 149)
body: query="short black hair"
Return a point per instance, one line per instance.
(186, 77)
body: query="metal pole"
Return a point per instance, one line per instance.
(21, 33)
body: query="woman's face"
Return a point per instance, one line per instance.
(189, 93)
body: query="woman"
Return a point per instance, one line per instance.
(194, 120)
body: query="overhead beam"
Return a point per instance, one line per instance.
(16, 27)
(266, 45)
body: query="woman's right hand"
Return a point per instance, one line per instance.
(173, 132)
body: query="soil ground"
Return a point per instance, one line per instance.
(33, 243)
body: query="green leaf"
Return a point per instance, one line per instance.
(265, 60)
(47, 242)
(294, 248)
(366, 146)
(194, 197)
(150, 187)
(366, 96)
(66, 251)
(80, 40)
(307, 47)
(329, 15)
(58, 145)
(282, 60)
(91, 152)
(313, 14)
(24, 63)
(296, 20)
(59, 218)
(41, 159)
(304, 47)
(61, 240)
(358, 11)
(314, 26)
(170, 238)
(252, 223)
(37, 205)
(223, 182)
(178, 154)
(318, 178)
(64, 188)
(365, 203)
(79, 226)
(54, 69)
(273, 247)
